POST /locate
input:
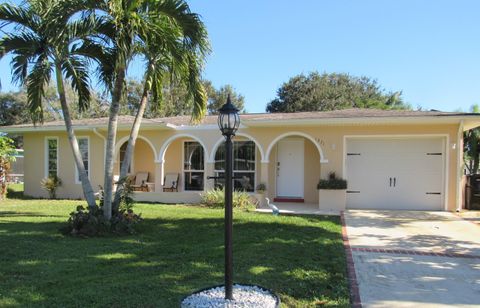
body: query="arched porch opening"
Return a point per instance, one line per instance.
(143, 162)
(247, 157)
(183, 157)
(294, 162)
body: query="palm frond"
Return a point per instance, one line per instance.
(75, 70)
(37, 80)
(18, 16)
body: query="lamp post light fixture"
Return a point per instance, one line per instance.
(228, 122)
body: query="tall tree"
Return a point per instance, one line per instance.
(471, 146)
(7, 155)
(44, 41)
(323, 92)
(178, 56)
(218, 97)
(131, 26)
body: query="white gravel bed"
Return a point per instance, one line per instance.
(243, 296)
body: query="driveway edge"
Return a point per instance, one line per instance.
(352, 276)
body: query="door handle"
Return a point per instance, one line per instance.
(390, 182)
(394, 182)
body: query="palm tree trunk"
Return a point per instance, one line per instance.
(111, 140)
(72, 139)
(132, 139)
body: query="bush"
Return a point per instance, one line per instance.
(90, 222)
(332, 183)
(215, 198)
(51, 185)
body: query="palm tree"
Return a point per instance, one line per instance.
(44, 41)
(182, 65)
(164, 27)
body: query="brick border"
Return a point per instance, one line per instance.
(355, 299)
(415, 252)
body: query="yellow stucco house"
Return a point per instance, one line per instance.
(391, 159)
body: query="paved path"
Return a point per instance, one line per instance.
(414, 259)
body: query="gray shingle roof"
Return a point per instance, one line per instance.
(259, 117)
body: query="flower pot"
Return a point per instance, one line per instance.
(260, 198)
(332, 199)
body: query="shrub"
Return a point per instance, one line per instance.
(332, 182)
(90, 222)
(51, 185)
(261, 188)
(215, 198)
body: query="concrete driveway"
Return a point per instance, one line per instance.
(414, 259)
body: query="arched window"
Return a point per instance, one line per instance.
(244, 165)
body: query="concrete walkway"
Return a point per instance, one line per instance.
(414, 259)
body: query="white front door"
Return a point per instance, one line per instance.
(396, 173)
(290, 168)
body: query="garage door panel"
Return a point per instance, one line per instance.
(416, 165)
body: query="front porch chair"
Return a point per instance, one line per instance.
(140, 183)
(170, 182)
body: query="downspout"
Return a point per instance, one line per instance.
(459, 166)
(95, 131)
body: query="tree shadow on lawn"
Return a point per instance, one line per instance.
(302, 261)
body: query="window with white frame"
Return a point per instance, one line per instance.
(193, 165)
(83, 145)
(243, 165)
(51, 167)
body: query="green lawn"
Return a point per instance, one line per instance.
(179, 249)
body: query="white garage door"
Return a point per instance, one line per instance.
(405, 174)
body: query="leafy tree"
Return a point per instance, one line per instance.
(45, 41)
(7, 155)
(324, 92)
(471, 146)
(218, 97)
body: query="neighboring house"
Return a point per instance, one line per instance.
(391, 159)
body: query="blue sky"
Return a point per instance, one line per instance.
(428, 49)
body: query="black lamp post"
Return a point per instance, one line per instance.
(228, 122)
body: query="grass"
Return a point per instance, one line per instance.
(178, 250)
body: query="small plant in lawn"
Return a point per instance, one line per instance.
(51, 184)
(90, 222)
(215, 198)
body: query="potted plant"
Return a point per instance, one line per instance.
(332, 193)
(260, 194)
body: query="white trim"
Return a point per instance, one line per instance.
(77, 181)
(222, 139)
(46, 160)
(183, 166)
(403, 136)
(323, 160)
(121, 141)
(166, 144)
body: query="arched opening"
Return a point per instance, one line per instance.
(183, 157)
(246, 161)
(294, 168)
(143, 162)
